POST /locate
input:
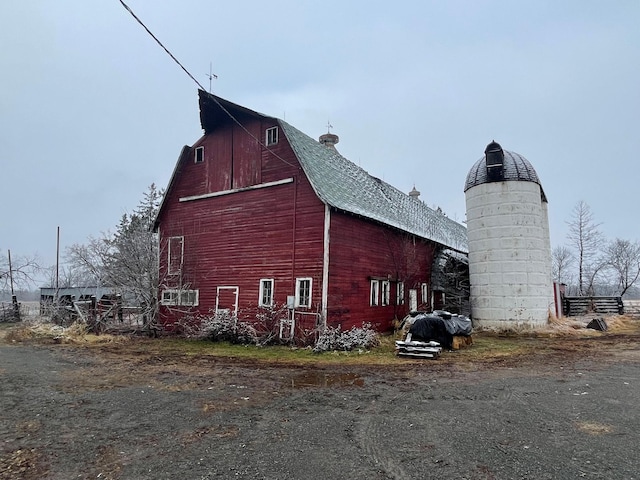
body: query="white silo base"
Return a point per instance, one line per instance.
(509, 257)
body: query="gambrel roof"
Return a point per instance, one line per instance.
(343, 185)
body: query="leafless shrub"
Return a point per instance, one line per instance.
(219, 326)
(357, 337)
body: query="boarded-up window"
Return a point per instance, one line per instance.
(175, 252)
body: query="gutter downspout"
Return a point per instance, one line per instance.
(325, 266)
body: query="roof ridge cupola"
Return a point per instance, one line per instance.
(329, 139)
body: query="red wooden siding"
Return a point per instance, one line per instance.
(238, 238)
(268, 223)
(361, 250)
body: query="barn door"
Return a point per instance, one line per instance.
(227, 300)
(413, 300)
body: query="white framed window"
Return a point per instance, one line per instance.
(400, 294)
(386, 292)
(272, 136)
(303, 292)
(265, 298)
(198, 156)
(374, 293)
(185, 298)
(175, 252)
(424, 293)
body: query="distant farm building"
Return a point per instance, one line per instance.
(259, 215)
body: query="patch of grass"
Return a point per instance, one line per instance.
(272, 354)
(488, 347)
(594, 428)
(22, 463)
(49, 333)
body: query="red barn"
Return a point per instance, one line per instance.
(258, 214)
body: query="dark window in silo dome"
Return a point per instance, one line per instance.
(494, 159)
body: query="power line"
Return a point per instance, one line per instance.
(202, 88)
(160, 43)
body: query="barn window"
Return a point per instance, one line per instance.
(386, 290)
(400, 294)
(272, 136)
(199, 155)
(185, 298)
(303, 292)
(425, 293)
(175, 251)
(374, 293)
(266, 292)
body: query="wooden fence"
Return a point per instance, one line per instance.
(632, 307)
(575, 306)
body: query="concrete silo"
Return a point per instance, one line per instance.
(509, 245)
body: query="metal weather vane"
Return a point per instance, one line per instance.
(211, 75)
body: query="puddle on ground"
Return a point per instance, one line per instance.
(327, 380)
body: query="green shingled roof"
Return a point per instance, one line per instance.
(343, 185)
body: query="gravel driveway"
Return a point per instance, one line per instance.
(72, 412)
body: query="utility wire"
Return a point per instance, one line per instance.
(202, 88)
(160, 43)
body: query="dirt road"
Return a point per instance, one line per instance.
(70, 412)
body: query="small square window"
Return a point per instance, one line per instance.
(272, 136)
(199, 155)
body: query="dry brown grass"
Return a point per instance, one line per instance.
(594, 428)
(23, 463)
(76, 333)
(165, 356)
(573, 327)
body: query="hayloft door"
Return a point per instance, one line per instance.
(227, 300)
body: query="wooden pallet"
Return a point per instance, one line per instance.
(417, 349)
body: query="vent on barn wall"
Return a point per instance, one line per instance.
(494, 159)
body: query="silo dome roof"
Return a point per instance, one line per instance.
(515, 168)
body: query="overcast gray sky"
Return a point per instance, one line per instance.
(92, 110)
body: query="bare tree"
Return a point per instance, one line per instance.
(562, 261)
(88, 260)
(128, 258)
(587, 239)
(23, 271)
(623, 258)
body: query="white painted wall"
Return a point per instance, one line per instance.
(509, 255)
